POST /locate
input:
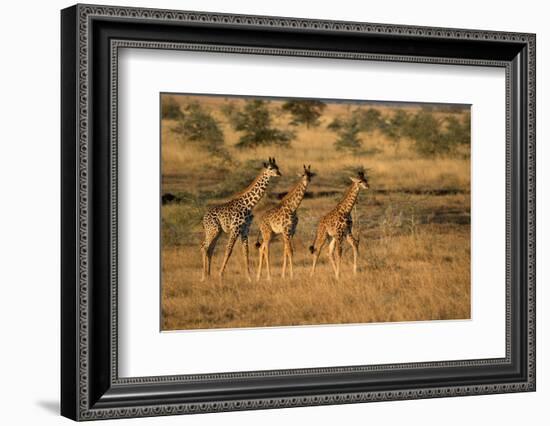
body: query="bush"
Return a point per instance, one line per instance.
(198, 125)
(395, 127)
(424, 129)
(438, 137)
(348, 134)
(429, 135)
(369, 120)
(180, 221)
(256, 124)
(336, 124)
(304, 112)
(230, 111)
(170, 109)
(457, 131)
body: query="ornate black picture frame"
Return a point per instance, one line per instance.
(91, 388)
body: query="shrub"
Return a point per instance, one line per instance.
(396, 127)
(170, 109)
(438, 137)
(369, 120)
(256, 124)
(336, 124)
(424, 129)
(230, 111)
(198, 125)
(428, 135)
(304, 112)
(181, 220)
(348, 134)
(457, 131)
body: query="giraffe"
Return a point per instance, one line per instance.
(337, 224)
(234, 218)
(282, 220)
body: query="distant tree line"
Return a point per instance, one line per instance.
(429, 134)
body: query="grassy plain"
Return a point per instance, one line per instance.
(413, 225)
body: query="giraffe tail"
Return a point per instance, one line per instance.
(258, 243)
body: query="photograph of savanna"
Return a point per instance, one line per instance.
(292, 211)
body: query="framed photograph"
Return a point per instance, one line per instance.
(263, 212)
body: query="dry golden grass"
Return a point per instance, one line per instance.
(402, 278)
(413, 224)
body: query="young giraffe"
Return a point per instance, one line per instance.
(234, 217)
(282, 220)
(337, 225)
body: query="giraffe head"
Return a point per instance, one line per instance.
(361, 180)
(307, 174)
(271, 168)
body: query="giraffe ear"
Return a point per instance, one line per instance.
(354, 179)
(265, 165)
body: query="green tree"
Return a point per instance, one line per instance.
(396, 126)
(198, 125)
(230, 111)
(304, 112)
(457, 131)
(255, 122)
(170, 109)
(425, 131)
(369, 120)
(336, 124)
(348, 133)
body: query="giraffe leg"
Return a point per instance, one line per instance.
(267, 264)
(283, 273)
(331, 255)
(207, 249)
(317, 252)
(260, 261)
(354, 243)
(338, 247)
(244, 244)
(229, 249)
(210, 252)
(266, 238)
(288, 254)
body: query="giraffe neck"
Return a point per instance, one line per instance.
(254, 192)
(346, 204)
(292, 200)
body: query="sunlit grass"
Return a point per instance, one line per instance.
(413, 226)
